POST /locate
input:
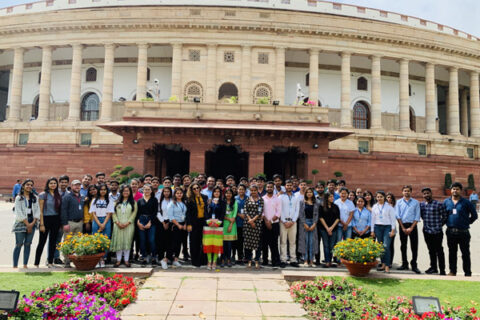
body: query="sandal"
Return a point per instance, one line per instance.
(117, 264)
(127, 264)
(249, 265)
(209, 266)
(257, 265)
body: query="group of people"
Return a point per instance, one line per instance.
(250, 221)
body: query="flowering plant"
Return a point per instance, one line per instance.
(84, 244)
(310, 103)
(358, 250)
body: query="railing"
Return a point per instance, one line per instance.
(294, 5)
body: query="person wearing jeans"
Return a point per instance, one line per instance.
(102, 209)
(177, 213)
(329, 217)
(147, 212)
(307, 221)
(27, 213)
(346, 215)
(383, 224)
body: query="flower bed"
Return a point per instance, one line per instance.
(331, 299)
(92, 297)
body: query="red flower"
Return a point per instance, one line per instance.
(26, 309)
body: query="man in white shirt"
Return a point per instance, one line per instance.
(346, 215)
(288, 225)
(209, 189)
(114, 194)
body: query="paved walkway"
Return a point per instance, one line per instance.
(214, 295)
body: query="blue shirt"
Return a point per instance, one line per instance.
(16, 189)
(240, 207)
(345, 209)
(407, 211)
(83, 191)
(361, 219)
(474, 197)
(207, 192)
(460, 215)
(177, 211)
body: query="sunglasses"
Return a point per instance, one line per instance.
(196, 188)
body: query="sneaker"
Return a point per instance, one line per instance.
(67, 265)
(102, 264)
(57, 261)
(305, 264)
(176, 264)
(98, 265)
(164, 265)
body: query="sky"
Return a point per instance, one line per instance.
(459, 14)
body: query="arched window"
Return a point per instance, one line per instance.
(90, 107)
(35, 104)
(413, 122)
(362, 84)
(307, 79)
(193, 89)
(361, 115)
(227, 90)
(262, 91)
(91, 75)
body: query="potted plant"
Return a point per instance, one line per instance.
(338, 174)
(358, 255)
(314, 172)
(448, 184)
(84, 250)
(471, 184)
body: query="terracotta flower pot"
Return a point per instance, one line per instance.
(359, 269)
(86, 263)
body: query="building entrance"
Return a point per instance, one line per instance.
(171, 159)
(286, 161)
(224, 160)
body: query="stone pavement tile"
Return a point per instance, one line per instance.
(274, 296)
(157, 294)
(279, 285)
(155, 317)
(199, 283)
(167, 283)
(245, 309)
(237, 295)
(147, 308)
(192, 308)
(237, 318)
(282, 318)
(227, 284)
(196, 317)
(196, 294)
(282, 309)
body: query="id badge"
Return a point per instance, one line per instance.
(454, 211)
(242, 211)
(79, 207)
(29, 211)
(260, 209)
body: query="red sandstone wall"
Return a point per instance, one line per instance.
(41, 162)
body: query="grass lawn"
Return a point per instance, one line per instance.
(457, 293)
(28, 282)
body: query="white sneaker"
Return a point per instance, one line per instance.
(98, 265)
(102, 264)
(164, 265)
(176, 264)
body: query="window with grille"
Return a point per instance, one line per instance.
(91, 75)
(263, 58)
(422, 149)
(85, 139)
(230, 13)
(361, 116)
(22, 139)
(262, 94)
(470, 153)
(90, 107)
(193, 89)
(362, 84)
(229, 56)
(194, 55)
(363, 146)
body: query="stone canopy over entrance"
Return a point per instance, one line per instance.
(241, 148)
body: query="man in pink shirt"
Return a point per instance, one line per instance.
(271, 228)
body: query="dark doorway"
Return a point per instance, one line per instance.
(171, 159)
(286, 161)
(227, 90)
(442, 102)
(4, 86)
(225, 160)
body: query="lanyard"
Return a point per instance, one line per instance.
(402, 212)
(381, 210)
(359, 213)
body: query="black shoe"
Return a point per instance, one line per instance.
(283, 265)
(325, 266)
(442, 273)
(431, 271)
(403, 267)
(416, 270)
(468, 274)
(265, 263)
(294, 264)
(57, 261)
(317, 263)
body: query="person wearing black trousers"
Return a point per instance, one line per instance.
(197, 205)
(164, 232)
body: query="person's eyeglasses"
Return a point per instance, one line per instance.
(195, 188)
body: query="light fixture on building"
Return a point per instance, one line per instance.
(196, 99)
(276, 102)
(315, 146)
(228, 139)
(135, 141)
(8, 300)
(425, 304)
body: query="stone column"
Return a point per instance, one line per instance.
(346, 114)
(376, 94)
(75, 83)
(464, 113)
(45, 83)
(246, 96)
(211, 92)
(142, 71)
(177, 71)
(404, 113)
(474, 104)
(313, 76)
(430, 99)
(107, 90)
(17, 85)
(280, 75)
(453, 112)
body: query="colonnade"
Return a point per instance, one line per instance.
(453, 107)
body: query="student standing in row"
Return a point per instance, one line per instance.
(329, 219)
(288, 226)
(271, 228)
(252, 230)
(361, 220)
(238, 245)
(308, 216)
(229, 226)
(164, 234)
(197, 206)
(383, 224)
(213, 231)
(147, 212)
(102, 209)
(177, 213)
